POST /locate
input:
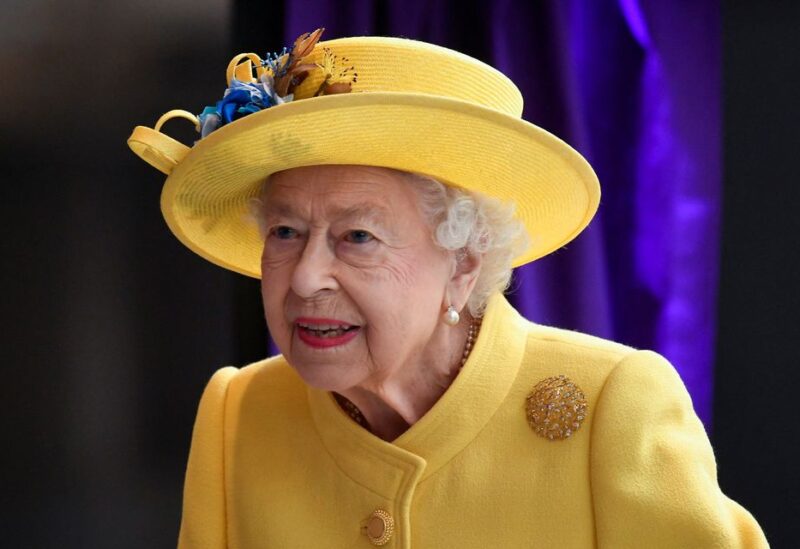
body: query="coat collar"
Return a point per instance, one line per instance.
(454, 421)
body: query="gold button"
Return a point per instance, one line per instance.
(380, 527)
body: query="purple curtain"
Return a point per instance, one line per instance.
(634, 85)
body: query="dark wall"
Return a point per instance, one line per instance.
(758, 366)
(110, 329)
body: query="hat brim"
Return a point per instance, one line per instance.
(205, 198)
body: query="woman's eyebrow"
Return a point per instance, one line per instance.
(279, 209)
(363, 211)
(366, 211)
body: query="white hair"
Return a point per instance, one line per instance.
(473, 223)
(468, 222)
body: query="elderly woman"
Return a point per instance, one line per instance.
(383, 190)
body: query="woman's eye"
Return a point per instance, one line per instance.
(283, 232)
(359, 237)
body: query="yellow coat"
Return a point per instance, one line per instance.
(275, 463)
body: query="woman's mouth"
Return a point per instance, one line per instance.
(324, 332)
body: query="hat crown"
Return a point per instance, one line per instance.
(385, 64)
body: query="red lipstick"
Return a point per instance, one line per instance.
(322, 333)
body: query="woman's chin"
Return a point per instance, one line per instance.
(327, 375)
(326, 367)
(325, 381)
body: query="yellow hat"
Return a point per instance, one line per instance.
(411, 105)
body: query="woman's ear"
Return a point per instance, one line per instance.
(462, 281)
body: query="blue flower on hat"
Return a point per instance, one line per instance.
(241, 99)
(278, 76)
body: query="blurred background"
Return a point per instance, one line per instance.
(111, 328)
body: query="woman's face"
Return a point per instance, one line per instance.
(353, 285)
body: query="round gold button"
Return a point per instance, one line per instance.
(380, 527)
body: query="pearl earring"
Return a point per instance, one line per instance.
(451, 316)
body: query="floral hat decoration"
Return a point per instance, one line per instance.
(377, 101)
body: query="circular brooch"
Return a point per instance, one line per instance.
(556, 408)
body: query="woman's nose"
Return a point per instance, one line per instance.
(313, 272)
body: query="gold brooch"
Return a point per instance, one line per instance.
(555, 408)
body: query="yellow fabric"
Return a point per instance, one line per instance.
(276, 464)
(416, 107)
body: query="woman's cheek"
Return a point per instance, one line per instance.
(379, 263)
(359, 255)
(278, 253)
(402, 272)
